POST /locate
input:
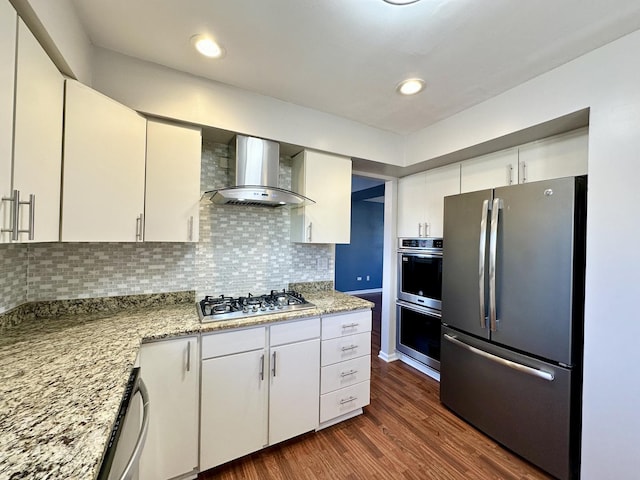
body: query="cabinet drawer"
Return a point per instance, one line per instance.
(343, 374)
(297, 331)
(220, 344)
(345, 348)
(346, 324)
(343, 401)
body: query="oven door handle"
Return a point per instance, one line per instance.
(482, 254)
(418, 308)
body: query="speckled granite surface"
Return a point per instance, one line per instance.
(62, 378)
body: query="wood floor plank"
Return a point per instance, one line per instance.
(405, 434)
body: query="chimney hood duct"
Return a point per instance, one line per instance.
(255, 166)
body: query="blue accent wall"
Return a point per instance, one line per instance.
(363, 256)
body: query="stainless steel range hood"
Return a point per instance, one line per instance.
(255, 166)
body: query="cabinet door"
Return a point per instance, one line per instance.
(489, 171)
(104, 161)
(294, 396)
(170, 370)
(8, 25)
(411, 205)
(37, 154)
(172, 186)
(555, 157)
(441, 182)
(233, 419)
(326, 179)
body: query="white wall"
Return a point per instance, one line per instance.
(57, 26)
(157, 90)
(608, 81)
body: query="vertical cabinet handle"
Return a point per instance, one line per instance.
(15, 216)
(273, 369)
(309, 232)
(14, 199)
(419, 229)
(510, 174)
(190, 223)
(32, 213)
(139, 227)
(32, 216)
(426, 229)
(261, 367)
(524, 172)
(188, 356)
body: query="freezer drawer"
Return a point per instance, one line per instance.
(528, 411)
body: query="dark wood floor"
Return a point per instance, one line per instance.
(405, 433)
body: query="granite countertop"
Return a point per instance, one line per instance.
(62, 378)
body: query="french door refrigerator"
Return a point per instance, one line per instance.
(512, 317)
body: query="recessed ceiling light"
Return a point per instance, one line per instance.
(410, 86)
(207, 46)
(400, 2)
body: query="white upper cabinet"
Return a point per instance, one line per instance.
(489, 171)
(562, 155)
(555, 157)
(37, 140)
(421, 201)
(8, 26)
(326, 179)
(441, 182)
(104, 168)
(412, 191)
(172, 193)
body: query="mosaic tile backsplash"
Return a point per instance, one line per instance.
(13, 276)
(241, 249)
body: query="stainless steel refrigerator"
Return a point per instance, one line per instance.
(512, 317)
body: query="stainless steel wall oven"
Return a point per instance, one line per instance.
(419, 299)
(420, 271)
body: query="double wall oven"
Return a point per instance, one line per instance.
(419, 299)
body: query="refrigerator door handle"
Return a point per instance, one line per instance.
(493, 253)
(502, 361)
(482, 254)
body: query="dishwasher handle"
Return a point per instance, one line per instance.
(142, 434)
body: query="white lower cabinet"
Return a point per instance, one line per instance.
(234, 407)
(346, 365)
(170, 370)
(259, 386)
(294, 390)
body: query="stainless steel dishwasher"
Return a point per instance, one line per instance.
(128, 435)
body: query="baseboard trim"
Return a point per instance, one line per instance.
(341, 418)
(388, 358)
(421, 367)
(364, 292)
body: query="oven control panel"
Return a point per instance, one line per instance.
(427, 243)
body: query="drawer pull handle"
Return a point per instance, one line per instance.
(350, 325)
(348, 400)
(350, 347)
(350, 372)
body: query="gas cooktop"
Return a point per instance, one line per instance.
(211, 309)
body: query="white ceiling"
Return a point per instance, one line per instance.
(346, 56)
